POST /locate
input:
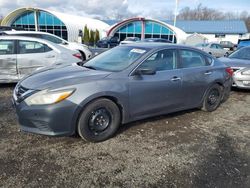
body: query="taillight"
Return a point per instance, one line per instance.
(230, 71)
(78, 55)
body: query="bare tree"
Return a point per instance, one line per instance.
(200, 13)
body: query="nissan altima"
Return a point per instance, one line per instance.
(124, 84)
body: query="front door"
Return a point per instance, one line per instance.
(152, 94)
(8, 60)
(32, 56)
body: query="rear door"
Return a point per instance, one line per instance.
(33, 55)
(197, 74)
(157, 93)
(8, 61)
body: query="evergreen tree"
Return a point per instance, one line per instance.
(86, 35)
(97, 36)
(92, 37)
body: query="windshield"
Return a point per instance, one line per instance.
(202, 45)
(116, 59)
(242, 53)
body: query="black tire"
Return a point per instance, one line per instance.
(212, 98)
(226, 54)
(83, 56)
(99, 120)
(226, 94)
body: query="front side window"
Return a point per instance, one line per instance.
(214, 46)
(161, 60)
(191, 58)
(6, 47)
(26, 47)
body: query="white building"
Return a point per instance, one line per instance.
(215, 30)
(63, 25)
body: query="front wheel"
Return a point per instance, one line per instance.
(99, 120)
(212, 98)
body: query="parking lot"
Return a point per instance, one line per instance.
(186, 149)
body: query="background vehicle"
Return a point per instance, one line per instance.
(108, 42)
(83, 49)
(213, 49)
(129, 40)
(243, 43)
(124, 84)
(21, 56)
(156, 40)
(228, 44)
(239, 61)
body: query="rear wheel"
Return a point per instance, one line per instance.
(99, 120)
(212, 98)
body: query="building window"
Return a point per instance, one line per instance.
(46, 23)
(151, 30)
(220, 35)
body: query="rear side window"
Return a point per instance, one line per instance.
(52, 39)
(6, 47)
(189, 58)
(26, 47)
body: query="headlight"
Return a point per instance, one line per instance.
(246, 72)
(48, 97)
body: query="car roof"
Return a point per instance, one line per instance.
(14, 37)
(31, 32)
(50, 44)
(157, 45)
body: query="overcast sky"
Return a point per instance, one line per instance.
(111, 9)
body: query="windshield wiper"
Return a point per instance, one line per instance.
(89, 67)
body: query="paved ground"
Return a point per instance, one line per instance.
(186, 149)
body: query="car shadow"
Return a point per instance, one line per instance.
(7, 85)
(240, 90)
(126, 127)
(224, 166)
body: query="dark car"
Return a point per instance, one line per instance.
(108, 42)
(243, 43)
(228, 44)
(124, 84)
(156, 40)
(239, 61)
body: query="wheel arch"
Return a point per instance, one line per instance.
(114, 99)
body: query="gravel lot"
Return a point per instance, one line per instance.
(186, 149)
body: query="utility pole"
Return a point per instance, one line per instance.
(175, 15)
(175, 11)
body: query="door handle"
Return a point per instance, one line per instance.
(175, 78)
(10, 59)
(208, 73)
(50, 56)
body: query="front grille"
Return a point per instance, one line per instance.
(20, 91)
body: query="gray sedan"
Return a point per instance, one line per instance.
(213, 49)
(21, 56)
(124, 84)
(239, 61)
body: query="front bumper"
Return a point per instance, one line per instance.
(53, 120)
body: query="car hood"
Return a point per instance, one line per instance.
(61, 77)
(233, 62)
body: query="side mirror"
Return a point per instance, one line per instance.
(145, 71)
